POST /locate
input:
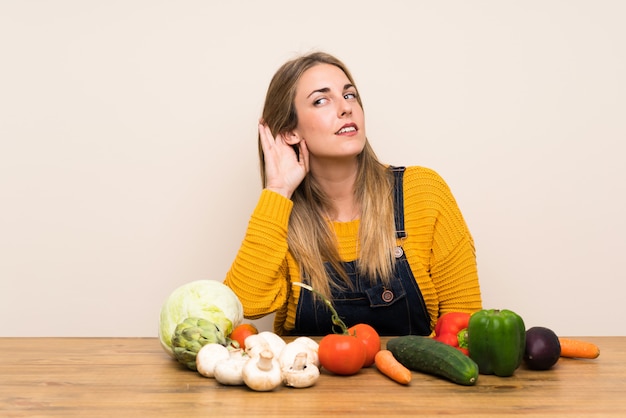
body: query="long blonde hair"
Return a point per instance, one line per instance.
(310, 238)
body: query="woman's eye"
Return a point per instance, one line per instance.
(319, 101)
(349, 96)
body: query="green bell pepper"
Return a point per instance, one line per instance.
(496, 341)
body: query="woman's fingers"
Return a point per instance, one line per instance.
(284, 167)
(267, 140)
(274, 146)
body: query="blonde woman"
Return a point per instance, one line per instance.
(387, 245)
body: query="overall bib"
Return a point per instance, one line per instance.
(397, 309)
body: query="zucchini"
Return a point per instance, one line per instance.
(423, 354)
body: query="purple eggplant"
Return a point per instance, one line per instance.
(543, 348)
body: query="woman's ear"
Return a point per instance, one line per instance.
(292, 138)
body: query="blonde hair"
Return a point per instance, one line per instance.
(310, 238)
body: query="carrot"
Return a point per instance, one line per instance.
(387, 364)
(578, 349)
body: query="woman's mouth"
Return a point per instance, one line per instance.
(347, 129)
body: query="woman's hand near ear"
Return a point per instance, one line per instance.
(284, 171)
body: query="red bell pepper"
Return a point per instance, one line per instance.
(451, 329)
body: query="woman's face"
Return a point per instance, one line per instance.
(330, 119)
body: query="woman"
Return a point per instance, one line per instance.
(387, 245)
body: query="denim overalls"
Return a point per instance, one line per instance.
(395, 310)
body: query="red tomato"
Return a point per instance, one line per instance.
(370, 338)
(341, 354)
(242, 331)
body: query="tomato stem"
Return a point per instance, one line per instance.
(335, 316)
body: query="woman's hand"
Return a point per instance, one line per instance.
(284, 171)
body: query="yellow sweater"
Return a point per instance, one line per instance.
(438, 247)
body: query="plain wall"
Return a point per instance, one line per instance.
(128, 156)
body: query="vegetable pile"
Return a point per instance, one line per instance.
(201, 327)
(266, 362)
(498, 342)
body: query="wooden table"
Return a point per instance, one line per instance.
(133, 377)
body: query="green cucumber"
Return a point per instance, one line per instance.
(423, 354)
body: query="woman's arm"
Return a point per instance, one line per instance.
(258, 273)
(439, 245)
(456, 279)
(453, 259)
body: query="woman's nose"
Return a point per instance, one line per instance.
(345, 108)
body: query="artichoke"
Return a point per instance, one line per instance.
(191, 335)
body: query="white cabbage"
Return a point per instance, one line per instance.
(206, 299)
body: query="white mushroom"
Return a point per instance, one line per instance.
(230, 371)
(302, 373)
(262, 373)
(297, 346)
(256, 343)
(208, 356)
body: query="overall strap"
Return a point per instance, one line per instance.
(398, 201)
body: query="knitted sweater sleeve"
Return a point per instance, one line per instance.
(443, 246)
(258, 275)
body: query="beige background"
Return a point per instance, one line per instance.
(128, 160)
